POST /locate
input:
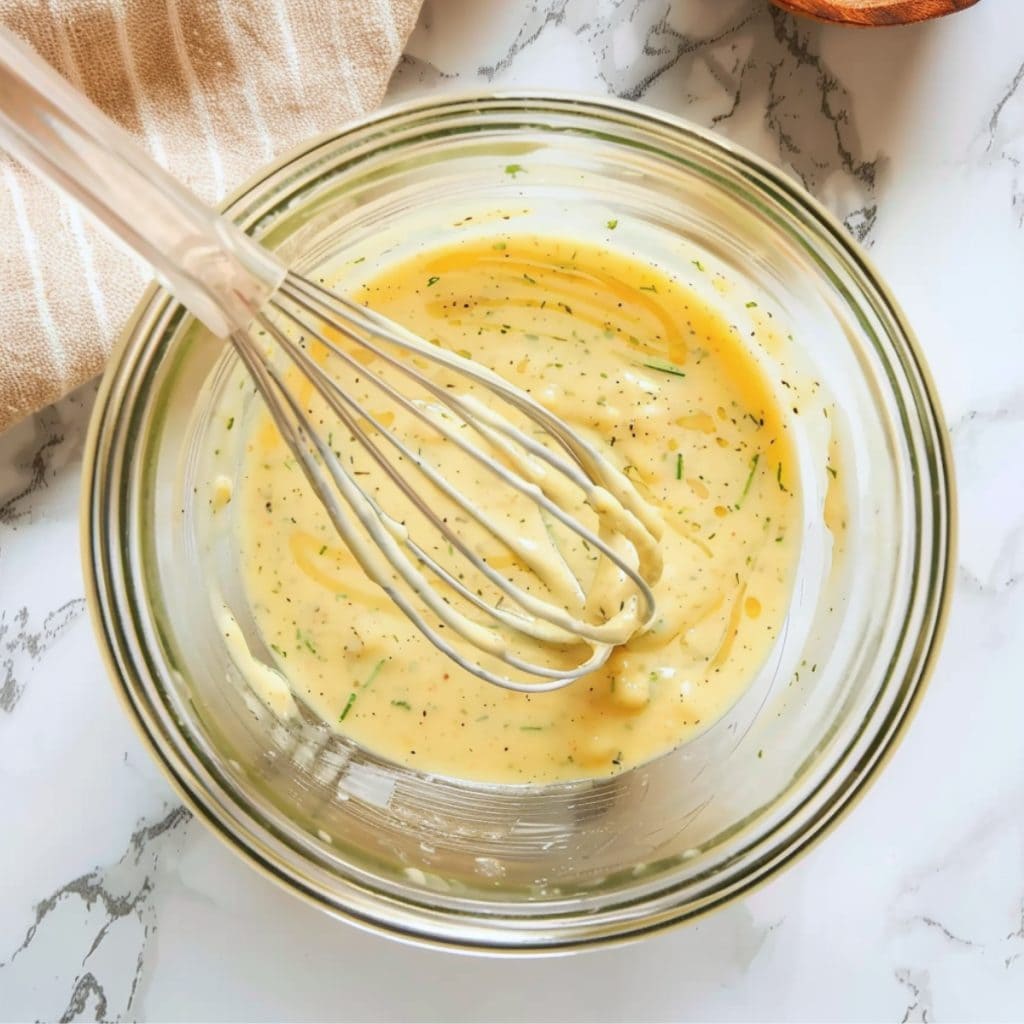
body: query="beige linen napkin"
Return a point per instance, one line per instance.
(213, 89)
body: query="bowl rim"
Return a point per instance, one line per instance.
(153, 305)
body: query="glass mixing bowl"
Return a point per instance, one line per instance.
(521, 868)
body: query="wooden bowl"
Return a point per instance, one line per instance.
(873, 13)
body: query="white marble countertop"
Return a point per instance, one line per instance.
(115, 904)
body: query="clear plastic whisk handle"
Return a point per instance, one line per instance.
(210, 265)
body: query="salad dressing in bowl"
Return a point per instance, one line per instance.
(646, 371)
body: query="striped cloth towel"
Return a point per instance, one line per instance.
(213, 89)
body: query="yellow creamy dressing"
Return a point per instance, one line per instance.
(664, 386)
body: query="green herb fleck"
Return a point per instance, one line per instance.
(499, 246)
(277, 650)
(750, 478)
(778, 478)
(231, 422)
(832, 471)
(373, 675)
(663, 367)
(348, 707)
(698, 265)
(401, 704)
(526, 277)
(679, 466)
(531, 728)
(648, 288)
(323, 548)
(431, 281)
(612, 224)
(360, 260)
(514, 169)
(305, 640)
(751, 304)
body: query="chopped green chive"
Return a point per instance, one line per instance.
(612, 224)
(513, 169)
(750, 478)
(360, 260)
(401, 704)
(373, 675)
(531, 728)
(664, 368)
(348, 707)
(679, 466)
(751, 304)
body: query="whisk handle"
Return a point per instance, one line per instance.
(217, 271)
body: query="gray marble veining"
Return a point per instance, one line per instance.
(751, 72)
(107, 915)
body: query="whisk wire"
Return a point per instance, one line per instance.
(337, 399)
(331, 392)
(301, 440)
(631, 517)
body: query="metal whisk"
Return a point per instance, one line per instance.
(550, 621)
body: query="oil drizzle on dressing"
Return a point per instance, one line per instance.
(656, 377)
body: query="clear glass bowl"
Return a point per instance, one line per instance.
(515, 868)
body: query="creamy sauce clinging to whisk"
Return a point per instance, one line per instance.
(661, 382)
